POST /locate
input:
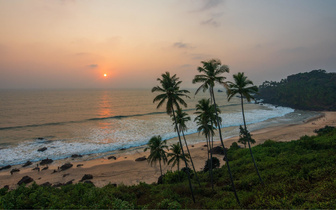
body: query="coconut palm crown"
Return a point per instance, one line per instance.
(170, 92)
(242, 86)
(157, 152)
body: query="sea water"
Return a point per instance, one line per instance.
(97, 122)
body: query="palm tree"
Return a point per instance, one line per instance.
(170, 92)
(157, 153)
(211, 74)
(244, 88)
(206, 119)
(181, 119)
(176, 156)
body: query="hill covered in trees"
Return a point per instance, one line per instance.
(315, 90)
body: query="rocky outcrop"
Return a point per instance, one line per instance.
(25, 180)
(28, 163)
(66, 166)
(46, 161)
(86, 177)
(42, 149)
(141, 158)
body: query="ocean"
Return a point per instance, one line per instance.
(101, 122)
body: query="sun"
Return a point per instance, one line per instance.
(105, 75)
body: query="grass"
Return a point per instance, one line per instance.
(297, 174)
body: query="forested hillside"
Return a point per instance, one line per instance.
(315, 90)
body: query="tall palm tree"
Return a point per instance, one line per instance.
(206, 119)
(170, 92)
(157, 153)
(211, 74)
(244, 88)
(176, 156)
(181, 119)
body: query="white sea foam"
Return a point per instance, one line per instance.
(122, 133)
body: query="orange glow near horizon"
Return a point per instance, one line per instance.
(105, 75)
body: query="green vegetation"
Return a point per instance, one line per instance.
(297, 174)
(156, 147)
(313, 90)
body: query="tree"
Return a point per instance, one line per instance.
(170, 92)
(181, 119)
(157, 153)
(206, 119)
(211, 74)
(176, 156)
(245, 89)
(245, 136)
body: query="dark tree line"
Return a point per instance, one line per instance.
(315, 90)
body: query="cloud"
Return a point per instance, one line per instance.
(93, 66)
(211, 22)
(182, 45)
(209, 4)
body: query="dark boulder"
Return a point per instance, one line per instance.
(89, 182)
(46, 161)
(86, 177)
(58, 184)
(160, 179)
(66, 166)
(28, 163)
(79, 165)
(25, 180)
(76, 156)
(46, 184)
(141, 158)
(112, 157)
(42, 149)
(45, 168)
(5, 167)
(14, 170)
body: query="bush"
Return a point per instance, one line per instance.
(215, 164)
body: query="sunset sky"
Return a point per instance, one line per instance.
(73, 43)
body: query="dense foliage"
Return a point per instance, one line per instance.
(313, 90)
(297, 174)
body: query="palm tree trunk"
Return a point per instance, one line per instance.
(160, 167)
(248, 139)
(221, 139)
(192, 163)
(185, 161)
(211, 174)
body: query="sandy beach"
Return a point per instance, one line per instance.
(125, 170)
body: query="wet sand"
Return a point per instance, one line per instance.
(125, 170)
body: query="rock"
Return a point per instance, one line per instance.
(28, 163)
(25, 180)
(217, 150)
(6, 187)
(160, 179)
(79, 165)
(86, 177)
(64, 175)
(66, 166)
(112, 157)
(123, 149)
(141, 158)
(5, 167)
(46, 161)
(42, 149)
(58, 185)
(89, 182)
(46, 184)
(76, 156)
(14, 170)
(69, 182)
(192, 146)
(45, 168)
(205, 145)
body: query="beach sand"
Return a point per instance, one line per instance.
(125, 170)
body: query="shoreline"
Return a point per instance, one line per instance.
(125, 170)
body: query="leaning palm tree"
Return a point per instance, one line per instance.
(171, 94)
(211, 74)
(157, 153)
(176, 156)
(244, 88)
(181, 119)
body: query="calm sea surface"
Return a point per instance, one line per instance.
(98, 121)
